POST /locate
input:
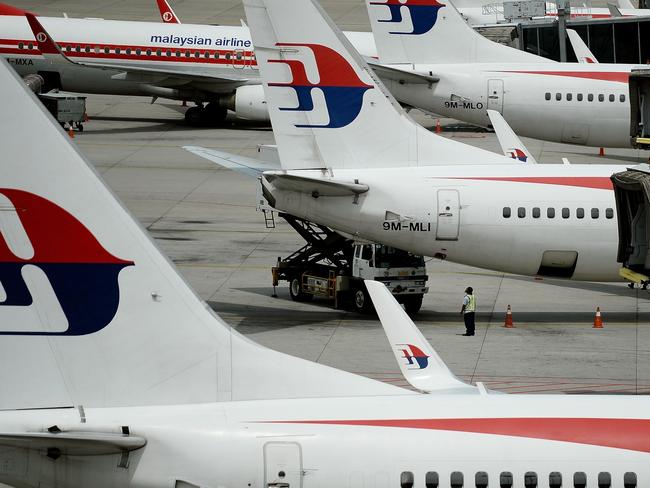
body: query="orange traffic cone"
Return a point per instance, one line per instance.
(598, 320)
(438, 128)
(71, 132)
(508, 323)
(601, 152)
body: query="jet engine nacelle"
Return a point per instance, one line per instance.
(249, 103)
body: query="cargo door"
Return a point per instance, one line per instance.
(495, 95)
(282, 465)
(448, 215)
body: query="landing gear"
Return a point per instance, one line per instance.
(211, 115)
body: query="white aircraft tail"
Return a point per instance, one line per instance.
(430, 31)
(92, 314)
(328, 109)
(419, 363)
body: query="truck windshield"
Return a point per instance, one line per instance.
(389, 257)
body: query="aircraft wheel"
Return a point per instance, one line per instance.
(215, 114)
(194, 116)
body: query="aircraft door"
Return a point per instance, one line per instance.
(282, 465)
(495, 95)
(448, 215)
(239, 60)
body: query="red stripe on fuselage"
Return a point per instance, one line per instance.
(620, 77)
(630, 434)
(596, 182)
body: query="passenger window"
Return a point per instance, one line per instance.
(550, 213)
(227, 55)
(481, 479)
(206, 55)
(169, 53)
(456, 479)
(431, 479)
(521, 212)
(536, 212)
(629, 480)
(604, 480)
(148, 52)
(128, 51)
(505, 479)
(611, 97)
(579, 480)
(107, 50)
(547, 95)
(118, 50)
(178, 54)
(78, 49)
(580, 213)
(197, 54)
(609, 213)
(87, 49)
(506, 212)
(138, 51)
(555, 480)
(622, 97)
(590, 97)
(187, 54)
(595, 213)
(21, 45)
(569, 97)
(558, 96)
(580, 97)
(530, 479)
(601, 97)
(158, 52)
(566, 213)
(406, 478)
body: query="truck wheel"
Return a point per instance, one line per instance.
(361, 300)
(413, 304)
(194, 116)
(295, 290)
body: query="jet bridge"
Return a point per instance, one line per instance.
(632, 193)
(640, 108)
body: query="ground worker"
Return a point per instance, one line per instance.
(468, 311)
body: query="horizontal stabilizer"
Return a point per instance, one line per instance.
(314, 186)
(393, 73)
(73, 443)
(241, 164)
(510, 142)
(418, 361)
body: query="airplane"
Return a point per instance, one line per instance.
(354, 161)
(212, 66)
(577, 103)
(114, 373)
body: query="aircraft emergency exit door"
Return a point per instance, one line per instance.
(448, 215)
(282, 465)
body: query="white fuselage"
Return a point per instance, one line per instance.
(527, 97)
(474, 230)
(350, 442)
(200, 49)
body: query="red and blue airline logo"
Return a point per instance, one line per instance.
(83, 275)
(414, 356)
(342, 89)
(424, 14)
(518, 154)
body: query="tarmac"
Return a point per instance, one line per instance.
(204, 218)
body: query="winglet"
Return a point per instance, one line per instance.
(511, 145)
(166, 13)
(418, 361)
(583, 53)
(46, 44)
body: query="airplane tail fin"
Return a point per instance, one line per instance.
(511, 144)
(91, 312)
(583, 53)
(46, 45)
(327, 107)
(6, 9)
(429, 31)
(167, 13)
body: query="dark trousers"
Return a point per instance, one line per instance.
(469, 322)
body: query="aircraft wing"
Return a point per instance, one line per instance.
(386, 72)
(583, 53)
(510, 142)
(53, 52)
(418, 361)
(241, 164)
(314, 186)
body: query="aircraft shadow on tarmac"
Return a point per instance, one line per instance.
(158, 124)
(619, 289)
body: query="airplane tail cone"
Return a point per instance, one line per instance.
(508, 324)
(598, 320)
